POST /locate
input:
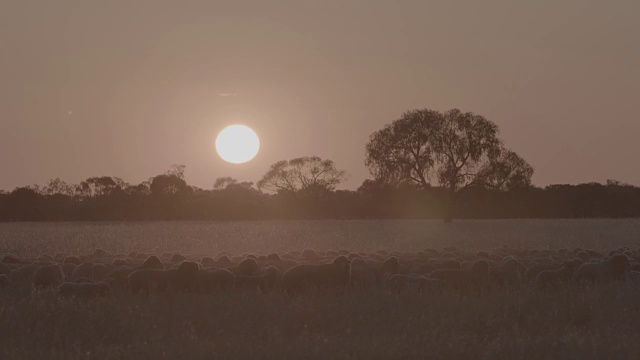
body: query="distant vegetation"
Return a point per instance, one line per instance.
(425, 165)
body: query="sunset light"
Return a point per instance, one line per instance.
(237, 144)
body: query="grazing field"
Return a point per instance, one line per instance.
(525, 289)
(32, 239)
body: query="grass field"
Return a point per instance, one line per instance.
(593, 322)
(32, 239)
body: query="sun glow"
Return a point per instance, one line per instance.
(237, 144)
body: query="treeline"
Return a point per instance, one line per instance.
(169, 197)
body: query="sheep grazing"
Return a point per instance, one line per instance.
(45, 257)
(389, 267)
(507, 273)
(12, 259)
(274, 257)
(4, 281)
(67, 269)
(309, 255)
(147, 280)
(46, 276)
(614, 268)
(23, 276)
(152, 262)
(84, 290)
(99, 271)
(224, 260)
(186, 277)
(401, 283)
(247, 267)
(82, 270)
(98, 253)
(476, 276)
(557, 277)
(207, 262)
(72, 260)
(176, 258)
(5, 269)
(361, 275)
(120, 262)
(334, 275)
(119, 277)
(532, 271)
(217, 279)
(252, 283)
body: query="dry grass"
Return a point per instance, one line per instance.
(575, 323)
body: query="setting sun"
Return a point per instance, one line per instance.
(237, 144)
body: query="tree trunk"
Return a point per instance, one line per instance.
(449, 206)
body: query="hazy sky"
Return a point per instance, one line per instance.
(128, 88)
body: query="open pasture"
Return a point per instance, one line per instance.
(411, 289)
(33, 239)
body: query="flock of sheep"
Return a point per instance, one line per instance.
(296, 273)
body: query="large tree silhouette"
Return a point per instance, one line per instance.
(452, 150)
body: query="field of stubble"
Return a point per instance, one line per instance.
(514, 322)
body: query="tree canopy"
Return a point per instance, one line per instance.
(453, 150)
(303, 173)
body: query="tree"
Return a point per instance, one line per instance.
(451, 150)
(222, 182)
(303, 173)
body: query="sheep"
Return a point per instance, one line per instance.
(4, 281)
(23, 276)
(207, 262)
(46, 276)
(475, 276)
(72, 260)
(176, 258)
(333, 275)
(98, 253)
(247, 267)
(532, 271)
(85, 290)
(224, 260)
(557, 277)
(45, 257)
(274, 258)
(251, 283)
(400, 282)
(67, 269)
(211, 280)
(119, 277)
(98, 271)
(310, 255)
(361, 275)
(152, 262)
(613, 268)
(507, 273)
(120, 263)
(12, 259)
(147, 280)
(185, 278)
(5, 269)
(82, 270)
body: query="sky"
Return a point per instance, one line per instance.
(127, 88)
